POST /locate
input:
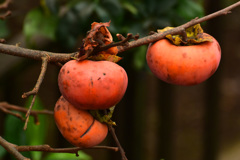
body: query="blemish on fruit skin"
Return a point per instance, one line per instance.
(75, 139)
(74, 128)
(63, 70)
(68, 72)
(69, 129)
(87, 129)
(104, 74)
(169, 78)
(63, 107)
(184, 55)
(91, 81)
(68, 112)
(58, 107)
(99, 78)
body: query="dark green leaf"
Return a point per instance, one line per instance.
(113, 7)
(103, 14)
(139, 59)
(37, 23)
(164, 6)
(129, 7)
(84, 10)
(189, 9)
(52, 5)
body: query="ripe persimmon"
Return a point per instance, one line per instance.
(183, 65)
(78, 126)
(92, 84)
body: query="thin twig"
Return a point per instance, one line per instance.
(47, 148)
(40, 79)
(15, 150)
(36, 88)
(7, 108)
(5, 15)
(121, 150)
(177, 30)
(112, 131)
(5, 6)
(11, 113)
(28, 112)
(12, 150)
(123, 42)
(2, 40)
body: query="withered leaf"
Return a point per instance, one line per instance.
(98, 36)
(195, 35)
(106, 57)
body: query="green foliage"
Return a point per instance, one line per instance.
(70, 21)
(67, 156)
(14, 133)
(139, 59)
(39, 24)
(4, 32)
(36, 133)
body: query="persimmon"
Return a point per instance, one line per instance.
(184, 65)
(78, 126)
(92, 84)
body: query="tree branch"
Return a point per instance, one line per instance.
(7, 108)
(36, 88)
(5, 5)
(64, 57)
(35, 54)
(177, 30)
(15, 150)
(12, 150)
(5, 15)
(40, 79)
(47, 148)
(121, 150)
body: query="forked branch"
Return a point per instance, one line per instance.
(15, 149)
(64, 57)
(5, 5)
(36, 88)
(10, 108)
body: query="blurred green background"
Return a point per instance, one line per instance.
(154, 120)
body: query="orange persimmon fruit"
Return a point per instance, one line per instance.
(78, 126)
(183, 65)
(91, 84)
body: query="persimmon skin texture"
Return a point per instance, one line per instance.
(183, 65)
(78, 126)
(92, 84)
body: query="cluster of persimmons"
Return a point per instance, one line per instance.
(98, 83)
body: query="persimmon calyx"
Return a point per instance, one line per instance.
(193, 35)
(104, 118)
(106, 57)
